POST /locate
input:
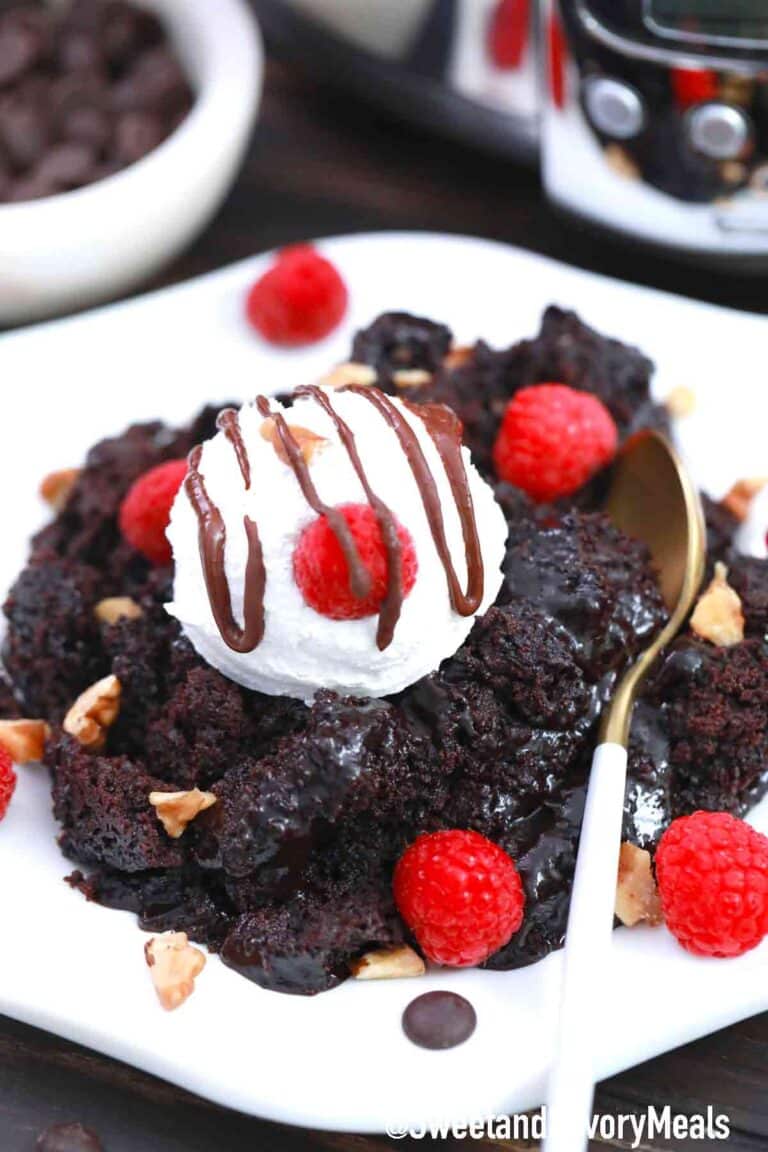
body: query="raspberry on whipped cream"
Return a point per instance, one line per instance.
(254, 488)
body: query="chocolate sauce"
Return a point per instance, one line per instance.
(393, 601)
(212, 535)
(445, 430)
(359, 577)
(228, 422)
(439, 1020)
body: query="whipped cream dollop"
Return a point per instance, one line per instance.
(269, 473)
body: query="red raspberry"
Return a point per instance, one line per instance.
(460, 895)
(321, 572)
(693, 86)
(146, 510)
(508, 33)
(552, 439)
(7, 781)
(712, 871)
(300, 299)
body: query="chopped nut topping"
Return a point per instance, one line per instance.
(309, 442)
(388, 964)
(620, 162)
(24, 740)
(458, 356)
(176, 809)
(740, 497)
(718, 616)
(173, 965)
(93, 712)
(115, 608)
(681, 402)
(412, 378)
(56, 487)
(637, 897)
(350, 373)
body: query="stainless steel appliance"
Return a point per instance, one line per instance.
(649, 117)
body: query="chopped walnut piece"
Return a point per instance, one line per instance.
(309, 442)
(741, 495)
(173, 965)
(459, 355)
(115, 608)
(411, 378)
(56, 487)
(637, 897)
(350, 373)
(718, 616)
(175, 810)
(388, 964)
(93, 712)
(24, 740)
(681, 402)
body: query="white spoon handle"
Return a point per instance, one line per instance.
(587, 951)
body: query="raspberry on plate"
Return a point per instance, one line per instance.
(322, 574)
(461, 896)
(712, 871)
(146, 510)
(7, 781)
(300, 299)
(552, 440)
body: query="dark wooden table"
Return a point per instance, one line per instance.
(322, 164)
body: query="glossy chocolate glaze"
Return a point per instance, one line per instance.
(212, 535)
(439, 1020)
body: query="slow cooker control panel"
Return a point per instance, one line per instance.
(655, 118)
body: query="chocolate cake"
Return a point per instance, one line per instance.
(288, 874)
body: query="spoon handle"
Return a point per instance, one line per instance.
(587, 952)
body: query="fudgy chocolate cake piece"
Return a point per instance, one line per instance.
(53, 646)
(290, 871)
(399, 342)
(101, 803)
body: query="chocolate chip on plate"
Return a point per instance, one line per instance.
(68, 1138)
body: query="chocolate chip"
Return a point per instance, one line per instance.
(87, 125)
(19, 50)
(66, 165)
(68, 1138)
(136, 135)
(156, 82)
(24, 133)
(81, 52)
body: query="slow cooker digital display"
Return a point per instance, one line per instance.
(732, 20)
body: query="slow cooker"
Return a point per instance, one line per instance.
(649, 117)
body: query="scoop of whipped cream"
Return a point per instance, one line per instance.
(267, 474)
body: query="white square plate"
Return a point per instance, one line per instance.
(340, 1060)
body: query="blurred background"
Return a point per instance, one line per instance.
(625, 136)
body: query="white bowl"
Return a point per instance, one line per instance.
(70, 250)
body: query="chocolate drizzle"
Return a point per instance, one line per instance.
(445, 429)
(359, 578)
(228, 422)
(392, 604)
(212, 536)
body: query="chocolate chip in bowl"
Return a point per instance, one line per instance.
(86, 88)
(110, 112)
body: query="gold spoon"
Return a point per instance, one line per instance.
(654, 499)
